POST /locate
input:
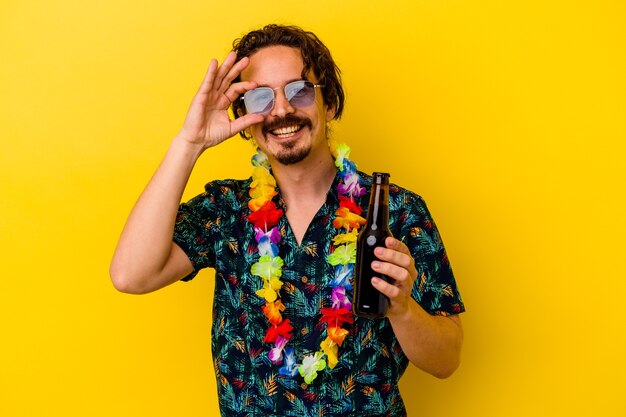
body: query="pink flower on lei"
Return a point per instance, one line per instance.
(339, 299)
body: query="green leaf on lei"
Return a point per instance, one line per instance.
(311, 364)
(268, 267)
(343, 255)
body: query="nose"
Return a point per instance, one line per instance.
(282, 106)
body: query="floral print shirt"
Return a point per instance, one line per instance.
(213, 230)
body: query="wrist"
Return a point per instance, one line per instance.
(184, 147)
(402, 313)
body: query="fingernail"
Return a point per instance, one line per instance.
(375, 265)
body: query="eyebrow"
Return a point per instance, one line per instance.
(290, 81)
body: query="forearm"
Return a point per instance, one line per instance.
(145, 258)
(432, 343)
(146, 241)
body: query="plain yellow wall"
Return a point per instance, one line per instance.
(507, 117)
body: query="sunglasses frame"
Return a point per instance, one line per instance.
(273, 101)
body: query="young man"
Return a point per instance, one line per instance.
(284, 340)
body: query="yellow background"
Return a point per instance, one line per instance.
(507, 117)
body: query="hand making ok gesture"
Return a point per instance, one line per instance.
(208, 122)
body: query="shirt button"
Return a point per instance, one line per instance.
(304, 279)
(304, 331)
(304, 386)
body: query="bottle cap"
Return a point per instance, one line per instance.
(380, 178)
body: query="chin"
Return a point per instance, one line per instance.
(293, 156)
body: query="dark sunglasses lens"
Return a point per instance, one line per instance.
(300, 93)
(259, 100)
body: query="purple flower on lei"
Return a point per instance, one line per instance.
(276, 353)
(267, 242)
(273, 235)
(340, 300)
(351, 186)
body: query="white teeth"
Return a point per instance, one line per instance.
(285, 130)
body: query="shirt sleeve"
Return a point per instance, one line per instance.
(435, 288)
(192, 232)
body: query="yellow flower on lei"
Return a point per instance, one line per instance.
(346, 237)
(270, 289)
(331, 350)
(263, 190)
(261, 176)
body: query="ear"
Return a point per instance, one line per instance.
(330, 113)
(246, 131)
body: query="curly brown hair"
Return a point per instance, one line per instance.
(315, 56)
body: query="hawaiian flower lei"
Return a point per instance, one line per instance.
(265, 217)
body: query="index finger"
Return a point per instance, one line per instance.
(396, 253)
(216, 73)
(209, 77)
(224, 70)
(398, 245)
(233, 72)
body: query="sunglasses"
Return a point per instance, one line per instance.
(298, 93)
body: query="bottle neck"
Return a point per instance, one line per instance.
(378, 213)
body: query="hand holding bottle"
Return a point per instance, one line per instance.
(395, 261)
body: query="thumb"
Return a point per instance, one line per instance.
(245, 122)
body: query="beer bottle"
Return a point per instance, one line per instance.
(368, 301)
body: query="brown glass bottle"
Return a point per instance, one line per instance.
(368, 301)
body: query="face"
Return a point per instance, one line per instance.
(288, 134)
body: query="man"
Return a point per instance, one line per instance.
(279, 279)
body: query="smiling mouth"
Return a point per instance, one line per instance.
(286, 127)
(287, 131)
